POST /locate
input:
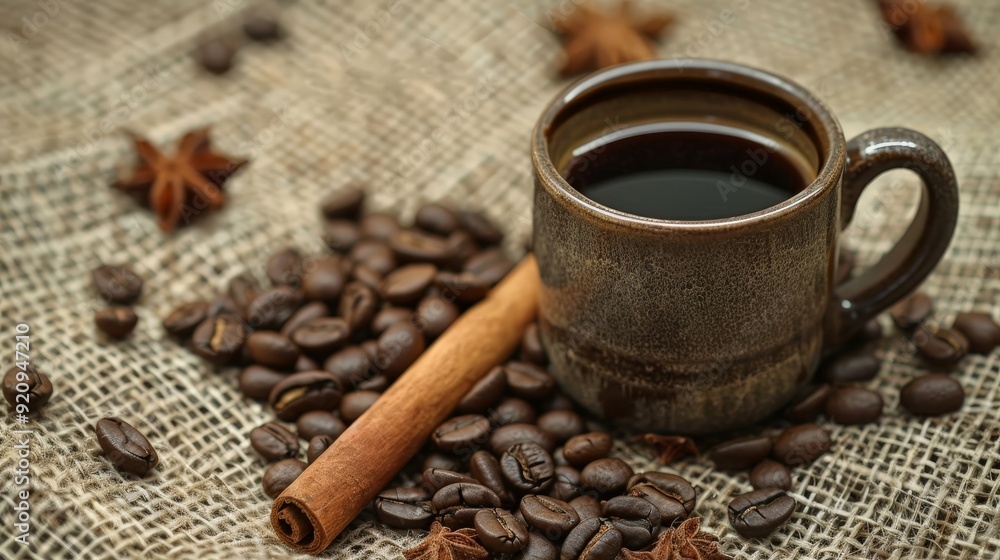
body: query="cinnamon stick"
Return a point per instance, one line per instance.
(324, 499)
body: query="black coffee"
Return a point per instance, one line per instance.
(703, 172)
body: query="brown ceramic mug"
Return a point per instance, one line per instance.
(702, 326)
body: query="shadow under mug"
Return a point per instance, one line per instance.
(702, 326)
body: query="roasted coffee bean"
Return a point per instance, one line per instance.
(528, 467)
(587, 507)
(490, 266)
(435, 479)
(320, 337)
(216, 56)
(759, 513)
(462, 433)
(529, 381)
(257, 381)
(810, 402)
(281, 475)
(563, 424)
(484, 394)
(461, 246)
(506, 436)
(444, 461)
(272, 308)
(184, 318)
(552, 517)
(350, 365)
(585, 448)
(567, 483)
(320, 423)
(531, 346)
(801, 444)
(941, 347)
(499, 531)
(342, 235)
(271, 348)
(125, 446)
(558, 401)
(371, 349)
(872, 331)
(367, 276)
(219, 340)
(407, 283)
(389, 316)
(285, 267)
(911, 311)
(559, 457)
(457, 504)
(305, 363)
(770, 474)
(607, 477)
(306, 313)
(358, 305)
(398, 347)
(932, 395)
(404, 508)
(485, 468)
(853, 405)
(538, 548)
(982, 332)
(324, 280)
(436, 218)
(671, 494)
(480, 228)
(117, 284)
(636, 519)
(261, 29)
(378, 383)
(117, 321)
(317, 445)
(224, 305)
(850, 367)
(356, 403)
(274, 442)
(512, 411)
(379, 226)
(593, 539)
(416, 246)
(242, 289)
(29, 388)
(345, 204)
(741, 453)
(375, 255)
(463, 288)
(434, 314)
(305, 391)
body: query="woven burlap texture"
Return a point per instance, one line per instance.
(423, 100)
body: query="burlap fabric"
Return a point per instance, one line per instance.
(423, 100)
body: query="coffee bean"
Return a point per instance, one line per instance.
(485, 468)
(345, 204)
(982, 332)
(810, 402)
(125, 446)
(531, 346)
(219, 340)
(463, 288)
(932, 395)
(801, 444)
(528, 381)
(759, 513)
(342, 235)
(305, 363)
(567, 483)
(285, 267)
(941, 347)
(462, 433)
(480, 228)
(375, 255)
(371, 349)
(356, 403)
(117, 284)
(563, 424)
(445, 461)
(528, 467)
(407, 283)
(461, 247)
(850, 367)
(215, 56)
(436, 218)
(593, 539)
(404, 508)
(281, 475)
(242, 289)
(672, 495)
(499, 531)
(587, 507)
(350, 365)
(512, 411)
(853, 405)
(305, 391)
(317, 445)
(398, 347)
(607, 477)
(224, 305)
(257, 381)
(457, 504)
(506, 436)
(417, 246)
(306, 313)
(558, 401)
(434, 479)
(389, 316)
(538, 548)
(261, 29)
(586, 448)
(484, 394)
(770, 474)
(324, 280)
(272, 308)
(379, 226)
(490, 266)
(740, 453)
(636, 519)
(28, 387)
(434, 315)
(552, 517)
(559, 457)
(116, 321)
(320, 337)
(911, 311)
(274, 442)
(357, 306)
(320, 423)
(184, 318)
(271, 348)
(871, 331)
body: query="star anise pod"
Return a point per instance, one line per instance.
(444, 544)
(685, 542)
(593, 39)
(670, 447)
(927, 29)
(179, 187)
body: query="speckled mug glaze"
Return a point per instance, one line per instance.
(702, 326)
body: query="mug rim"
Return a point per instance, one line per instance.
(666, 69)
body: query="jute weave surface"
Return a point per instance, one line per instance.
(423, 100)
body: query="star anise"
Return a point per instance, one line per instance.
(444, 544)
(179, 187)
(593, 39)
(670, 447)
(927, 29)
(686, 542)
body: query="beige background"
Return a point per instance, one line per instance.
(402, 114)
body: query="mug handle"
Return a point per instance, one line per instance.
(916, 253)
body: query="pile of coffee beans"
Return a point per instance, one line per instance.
(119, 286)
